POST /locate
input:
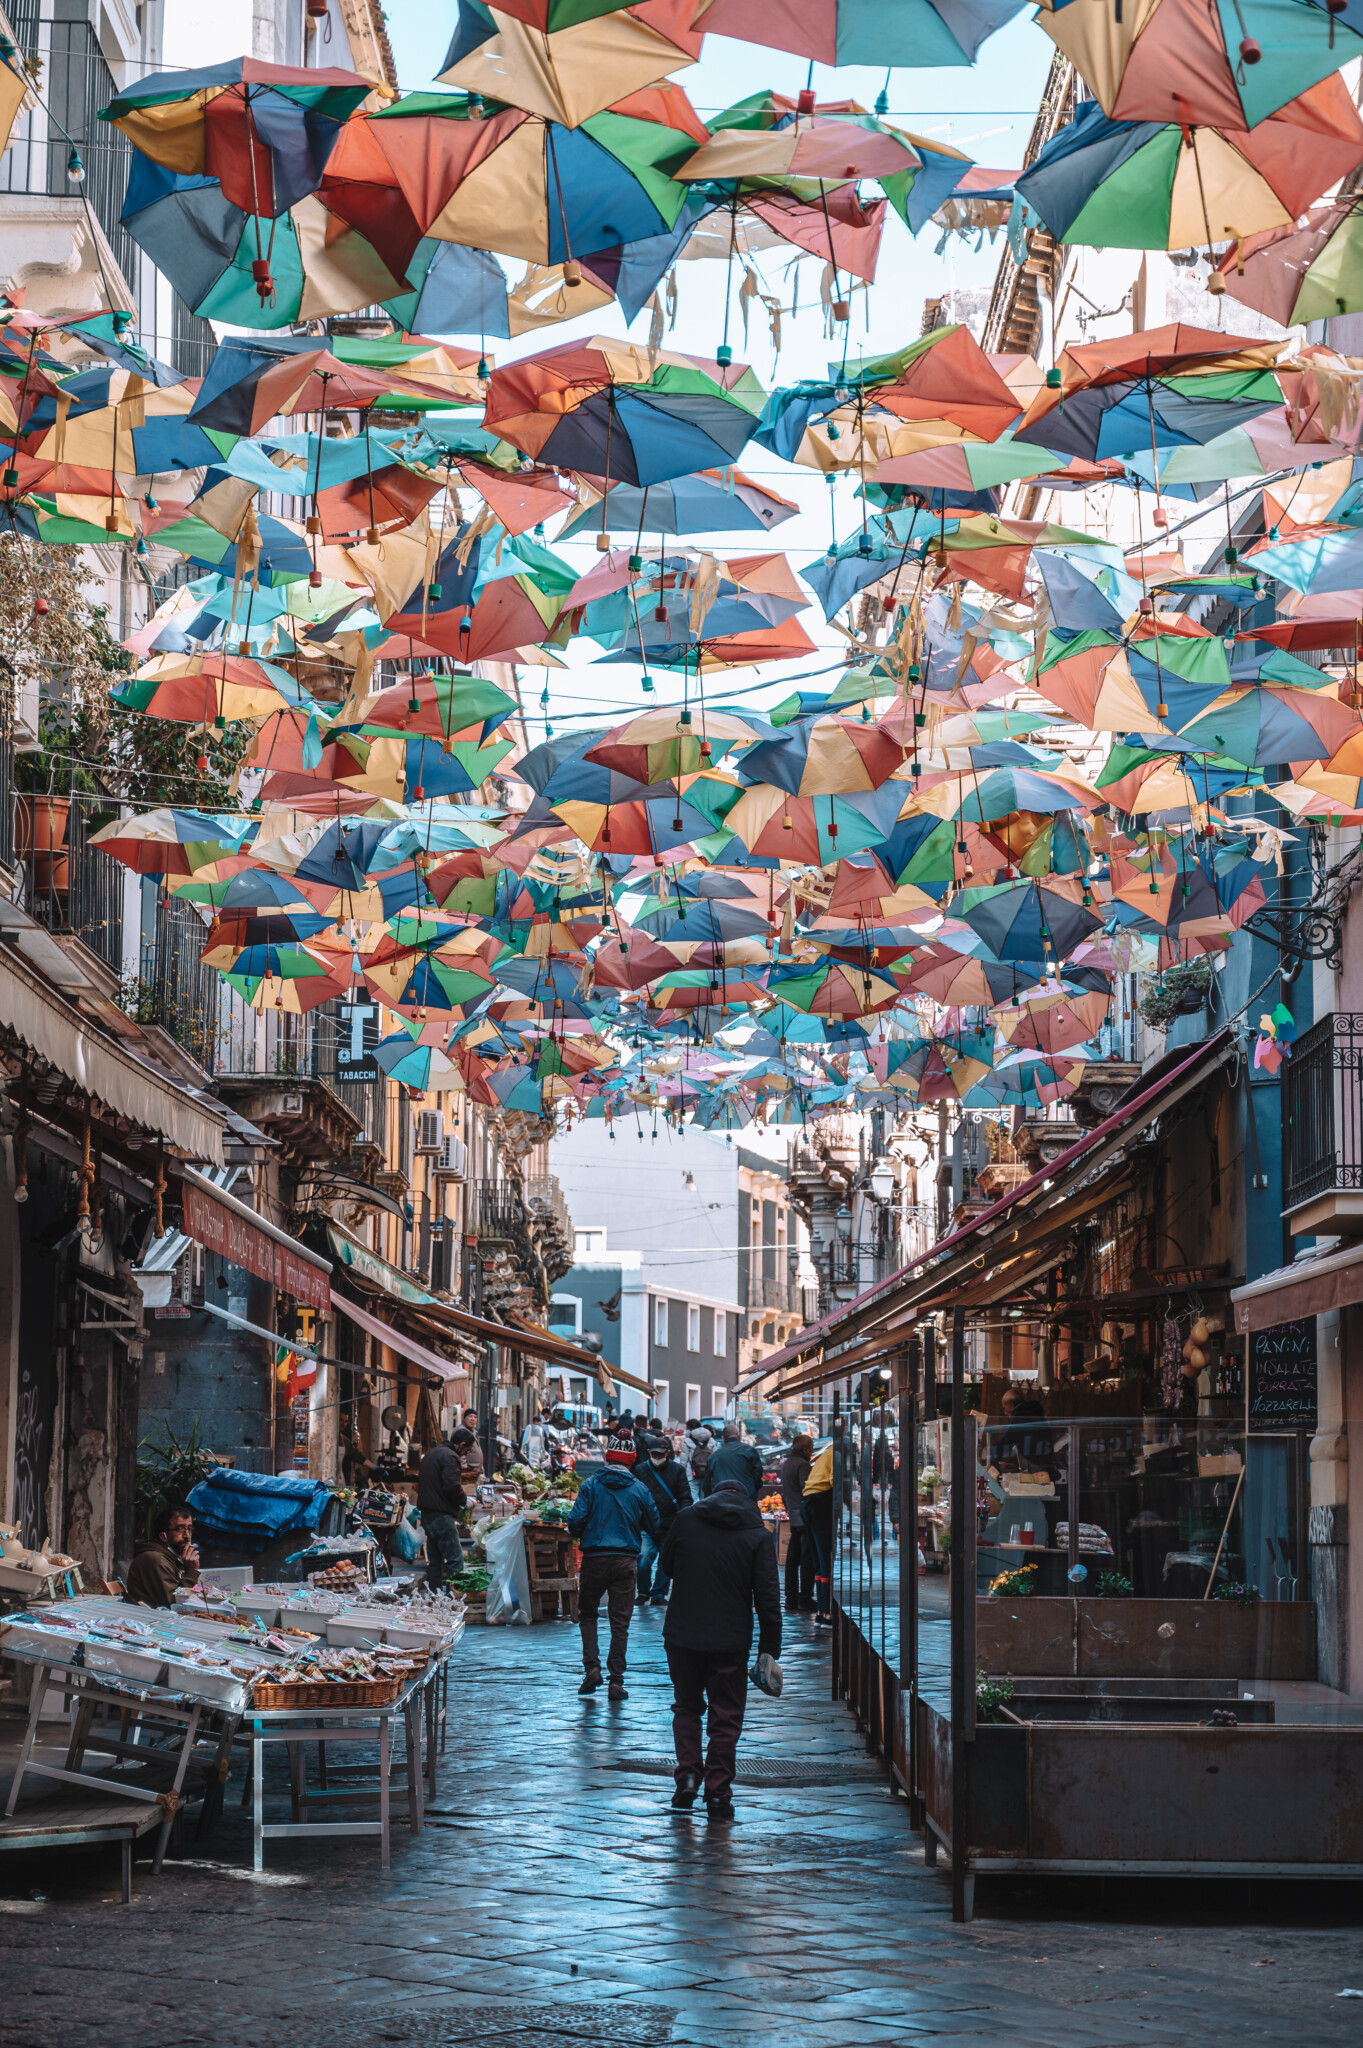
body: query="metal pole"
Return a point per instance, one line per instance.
(833, 1559)
(883, 1496)
(908, 1583)
(1073, 1470)
(962, 1599)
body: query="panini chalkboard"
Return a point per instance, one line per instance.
(1282, 1376)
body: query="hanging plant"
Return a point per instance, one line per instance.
(1180, 991)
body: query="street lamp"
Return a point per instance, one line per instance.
(882, 1180)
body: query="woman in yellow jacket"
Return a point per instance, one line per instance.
(818, 1506)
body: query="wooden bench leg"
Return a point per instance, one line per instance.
(126, 1857)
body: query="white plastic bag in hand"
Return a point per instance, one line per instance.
(508, 1593)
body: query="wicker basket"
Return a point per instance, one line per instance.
(365, 1692)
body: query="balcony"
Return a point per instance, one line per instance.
(773, 1292)
(551, 1225)
(67, 885)
(1322, 1092)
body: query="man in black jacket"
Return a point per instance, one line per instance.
(722, 1563)
(439, 1498)
(734, 1463)
(659, 1473)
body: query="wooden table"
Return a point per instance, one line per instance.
(65, 1820)
(142, 1711)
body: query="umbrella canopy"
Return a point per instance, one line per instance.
(661, 745)
(567, 71)
(918, 33)
(262, 132)
(1196, 383)
(624, 414)
(1311, 269)
(1152, 185)
(1028, 920)
(1182, 61)
(944, 384)
(498, 177)
(204, 689)
(710, 501)
(1053, 1023)
(1263, 724)
(253, 378)
(822, 149)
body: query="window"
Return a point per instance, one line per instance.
(693, 1326)
(721, 1334)
(692, 1403)
(719, 1400)
(659, 1321)
(589, 1242)
(662, 1400)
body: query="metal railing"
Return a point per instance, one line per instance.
(495, 1210)
(1322, 1093)
(174, 988)
(778, 1293)
(76, 83)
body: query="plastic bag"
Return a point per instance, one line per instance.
(508, 1593)
(407, 1537)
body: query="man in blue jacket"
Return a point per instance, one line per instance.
(608, 1519)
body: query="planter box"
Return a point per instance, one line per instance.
(1038, 1637)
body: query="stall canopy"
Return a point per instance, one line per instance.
(398, 1340)
(222, 1224)
(1308, 1287)
(1028, 1217)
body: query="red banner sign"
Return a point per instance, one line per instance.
(238, 1238)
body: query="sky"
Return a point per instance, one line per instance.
(987, 111)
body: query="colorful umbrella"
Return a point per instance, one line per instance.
(1144, 185)
(710, 501)
(919, 33)
(623, 413)
(1168, 385)
(568, 69)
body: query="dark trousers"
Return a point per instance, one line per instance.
(799, 1569)
(699, 1678)
(819, 1528)
(444, 1552)
(608, 1574)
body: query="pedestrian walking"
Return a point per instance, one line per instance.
(440, 1497)
(659, 1472)
(699, 1448)
(722, 1564)
(621, 1448)
(795, 1469)
(609, 1517)
(818, 1507)
(734, 1463)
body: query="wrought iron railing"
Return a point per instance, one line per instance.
(496, 1210)
(174, 988)
(772, 1291)
(1322, 1093)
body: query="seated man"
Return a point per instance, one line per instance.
(170, 1560)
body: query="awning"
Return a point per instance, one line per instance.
(398, 1340)
(522, 1335)
(348, 1252)
(1308, 1287)
(220, 1222)
(100, 1066)
(968, 1252)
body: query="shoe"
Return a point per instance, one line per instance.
(616, 1690)
(688, 1784)
(591, 1682)
(658, 1600)
(808, 1607)
(719, 1809)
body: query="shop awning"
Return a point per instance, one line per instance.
(53, 1027)
(989, 1237)
(398, 1340)
(222, 1224)
(522, 1335)
(1308, 1287)
(368, 1266)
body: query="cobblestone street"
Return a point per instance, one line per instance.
(554, 1899)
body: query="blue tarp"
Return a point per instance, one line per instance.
(247, 1510)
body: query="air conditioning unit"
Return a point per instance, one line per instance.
(453, 1158)
(430, 1130)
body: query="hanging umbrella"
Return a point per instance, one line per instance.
(1053, 1023)
(1147, 185)
(254, 378)
(773, 823)
(262, 131)
(1311, 269)
(211, 689)
(1262, 724)
(710, 501)
(495, 176)
(1027, 920)
(918, 33)
(834, 989)
(476, 607)
(568, 68)
(943, 384)
(621, 413)
(173, 842)
(439, 706)
(661, 745)
(1181, 61)
(1196, 383)
(828, 756)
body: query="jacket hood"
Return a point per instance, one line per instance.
(616, 1477)
(729, 1507)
